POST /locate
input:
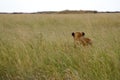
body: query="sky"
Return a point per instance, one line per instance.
(58, 5)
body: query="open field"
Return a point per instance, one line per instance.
(40, 47)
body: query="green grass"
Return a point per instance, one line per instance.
(40, 47)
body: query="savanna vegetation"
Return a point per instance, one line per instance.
(41, 47)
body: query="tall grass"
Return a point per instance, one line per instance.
(40, 47)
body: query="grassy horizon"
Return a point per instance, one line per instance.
(40, 47)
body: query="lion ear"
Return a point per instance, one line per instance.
(73, 34)
(83, 34)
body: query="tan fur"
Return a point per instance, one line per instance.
(80, 39)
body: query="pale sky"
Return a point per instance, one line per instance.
(58, 5)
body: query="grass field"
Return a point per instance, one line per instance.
(40, 47)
